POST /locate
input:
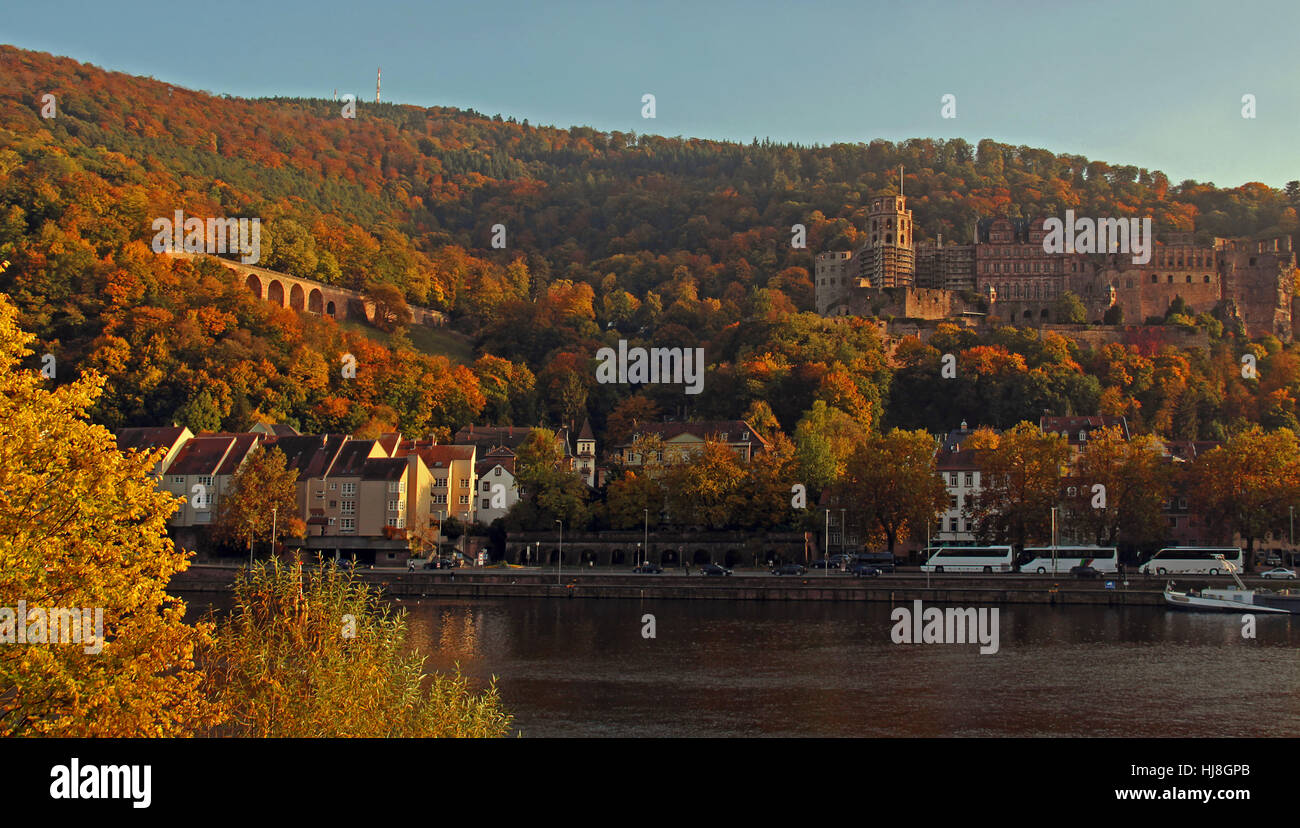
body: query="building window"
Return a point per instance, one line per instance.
(464, 482)
(349, 524)
(349, 488)
(329, 521)
(497, 472)
(968, 479)
(176, 478)
(464, 500)
(487, 487)
(349, 507)
(486, 503)
(439, 499)
(396, 505)
(334, 486)
(205, 479)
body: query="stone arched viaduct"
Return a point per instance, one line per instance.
(307, 296)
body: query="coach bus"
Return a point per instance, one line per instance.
(1199, 560)
(971, 559)
(1104, 559)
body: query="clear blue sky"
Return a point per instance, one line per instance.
(1155, 84)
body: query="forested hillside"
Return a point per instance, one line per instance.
(666, 241)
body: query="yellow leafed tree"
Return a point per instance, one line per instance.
(82, 526)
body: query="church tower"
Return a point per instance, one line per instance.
(889, 258)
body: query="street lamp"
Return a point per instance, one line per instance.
(647, 534)
(1053, 540)
(559, 564)
(826, 546)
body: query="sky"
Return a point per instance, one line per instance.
(1154, 84)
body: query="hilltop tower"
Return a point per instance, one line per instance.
(379, 74)
(889, 258)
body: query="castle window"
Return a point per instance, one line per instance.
(889, 238)
(1155, 278)
(1207, 278)
(1128, 283)
(1171, 278)
(1189, 278)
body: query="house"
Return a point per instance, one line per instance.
(682, 440)
(959, 469)
(452, 479)
(497, 490)
(202, 473)
(1078, 430)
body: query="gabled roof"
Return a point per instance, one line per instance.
(487, 464)
(202, 456)
(389, 441)
(1073, 425)
(439, 457)
(383, 469)
(586, 433)
(144, 439)
(352, 458)
(239, 451)
(312, 455)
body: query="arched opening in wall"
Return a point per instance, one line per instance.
(329, 310)
(297, 298)
(889, 238)
(1029, 314)
(669, 557)
(275, 292)
(1044, 314)
(1155, 278)
(254, 284)
(588, 557)
(315, 300)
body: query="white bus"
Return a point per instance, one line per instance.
(971, 559)
(1201, 560)
(1104, 559)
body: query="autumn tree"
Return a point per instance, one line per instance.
(891, 482)
(1020, 476)
(1135, 478)
(314, 652)
(82, 525)
(1248, 485)
(262, 497)
(391, 310)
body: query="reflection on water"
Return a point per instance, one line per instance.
(733, 668)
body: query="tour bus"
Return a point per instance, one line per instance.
(1192, 559)
(1104, 559)
(971, 559)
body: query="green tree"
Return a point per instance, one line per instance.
(1069, 310)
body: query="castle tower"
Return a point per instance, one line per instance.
(889, 259)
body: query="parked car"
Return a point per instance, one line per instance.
(1084, 571)
(864, 571)
(648, 568)
(441, 563)
(714, 569)
(789, 569)
(1279, 572)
